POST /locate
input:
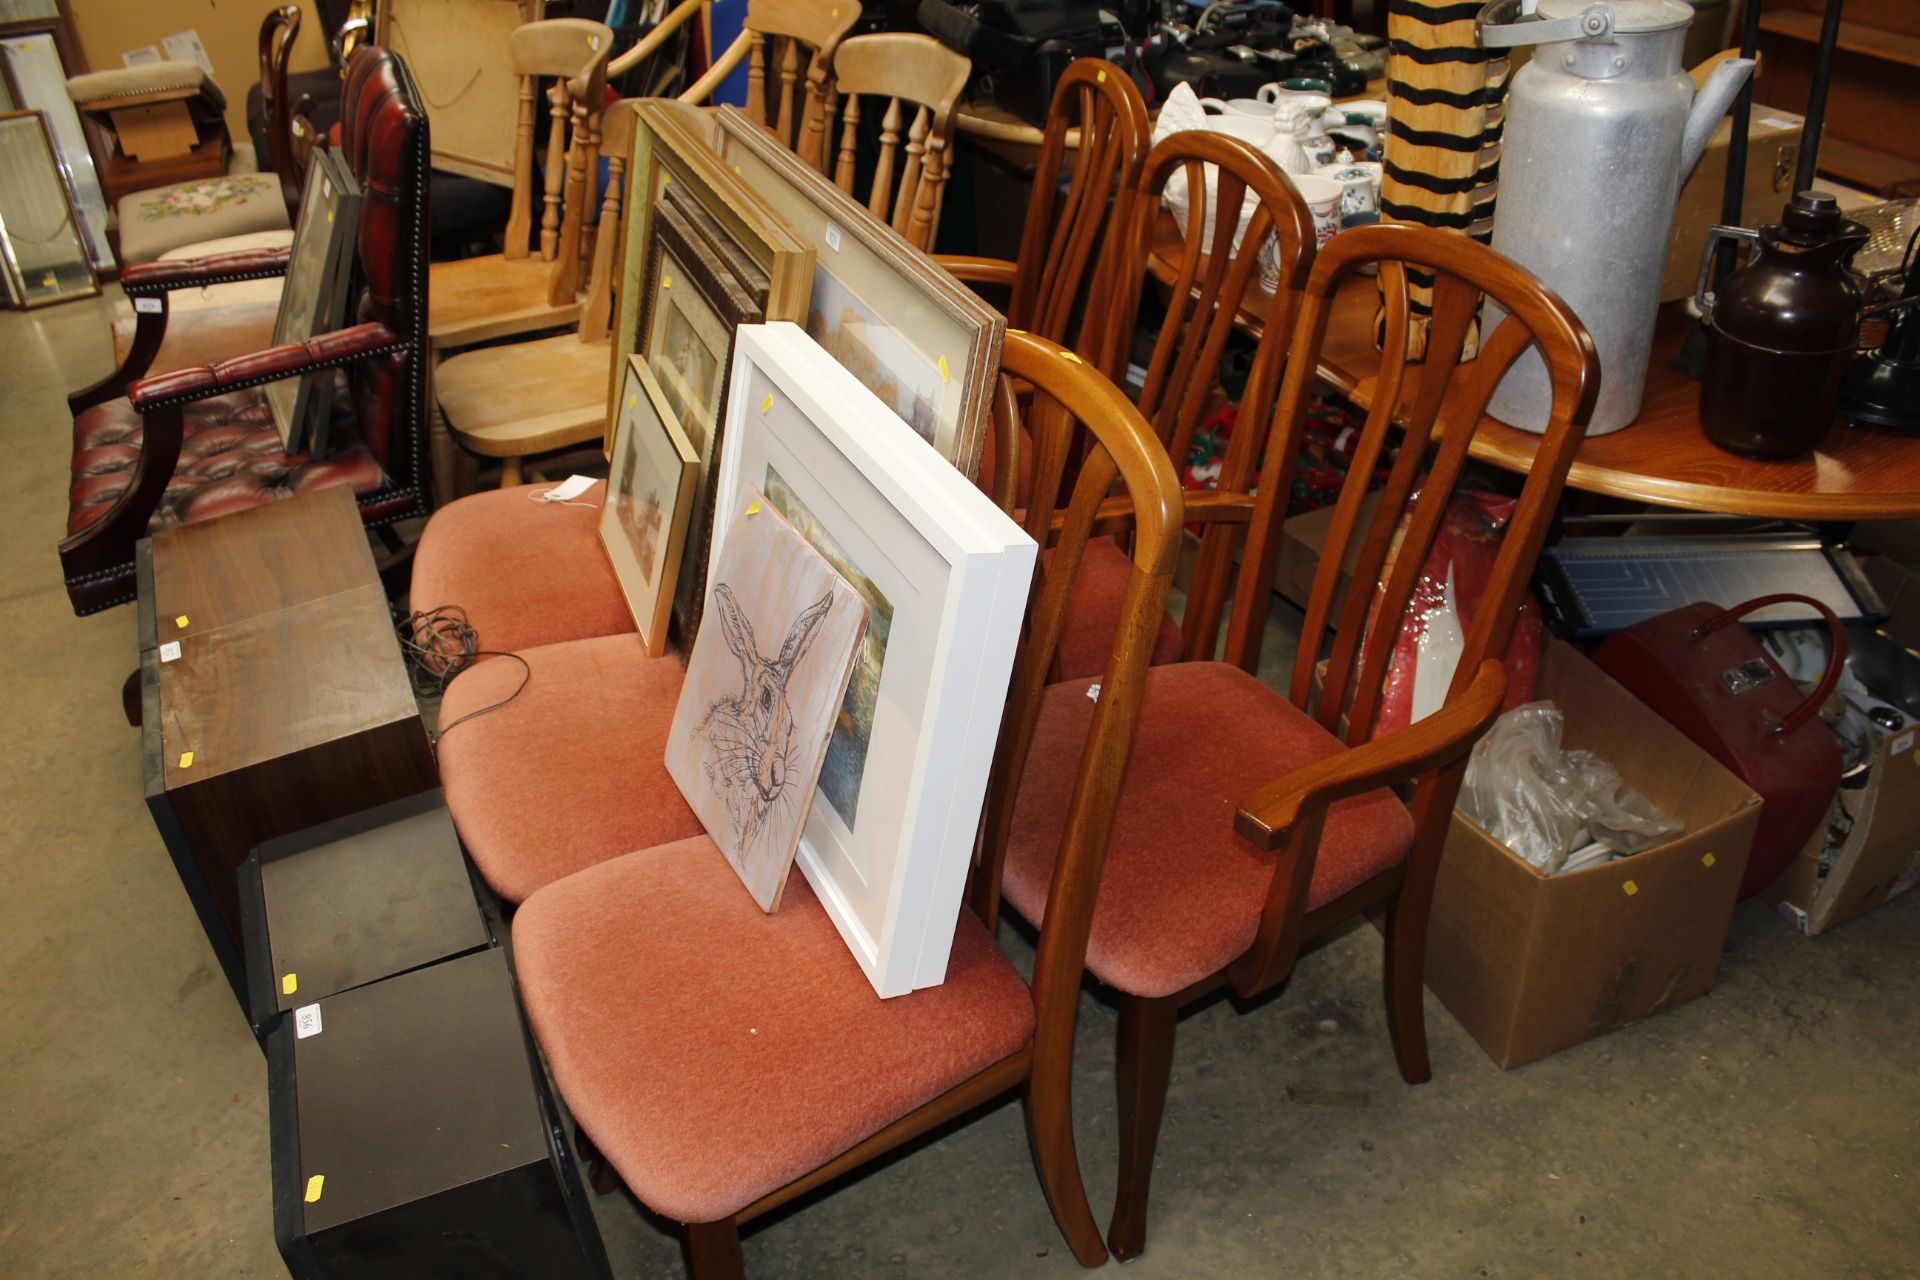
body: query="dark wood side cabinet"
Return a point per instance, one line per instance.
(273, 693)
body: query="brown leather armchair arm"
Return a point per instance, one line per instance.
(107, 544)
(1288, 815)
(148, 284)
(157, 279)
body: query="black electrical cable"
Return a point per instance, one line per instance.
(439, 644)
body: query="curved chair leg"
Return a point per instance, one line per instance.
(1405, 976)
(711, 1250)
(1145, 1066)
(1049, 1108)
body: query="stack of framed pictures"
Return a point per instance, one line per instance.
(700, 257)
(910, 332)
(314, 298)
(944, 574)
(724, 226)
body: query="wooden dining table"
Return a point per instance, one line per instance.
(1662, 457)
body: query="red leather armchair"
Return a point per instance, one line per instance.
(154, 450)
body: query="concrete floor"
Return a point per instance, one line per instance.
(1768, 1129)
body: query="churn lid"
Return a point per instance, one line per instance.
(1630, 17)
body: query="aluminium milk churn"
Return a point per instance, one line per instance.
(1603, 125)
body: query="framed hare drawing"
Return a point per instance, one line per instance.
(943, 576)
(762, 690)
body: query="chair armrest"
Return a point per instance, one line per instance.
(341, 346)
(968, 269)
(1268, 814)
(154, 279)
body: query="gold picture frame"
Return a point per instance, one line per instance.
(644, 519)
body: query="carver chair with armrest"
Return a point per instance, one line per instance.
(200, 442)
(640, 975)
(1184, 367)
(1057, 281)
(1246, 825)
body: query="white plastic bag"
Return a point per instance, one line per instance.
(1545, 803)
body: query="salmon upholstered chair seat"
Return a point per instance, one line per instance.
(1093, 614)
(713, 1052)
(1181, 894)
(526, 572)
(571, 772)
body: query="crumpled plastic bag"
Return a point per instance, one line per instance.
(1545, 803)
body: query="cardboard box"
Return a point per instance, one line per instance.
(1300, 543)
(1881, 854)
(1530, 964)
(1773, 150)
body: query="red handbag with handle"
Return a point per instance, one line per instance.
(1715, 683)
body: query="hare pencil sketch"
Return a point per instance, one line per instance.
(749, 736)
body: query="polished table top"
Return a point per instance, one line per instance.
(1662, 457)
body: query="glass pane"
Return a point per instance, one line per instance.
(33, 63)
(43, 249)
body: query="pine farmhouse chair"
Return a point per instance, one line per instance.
(1245, 825)
(912, 84)
(640, 974)
(535, 281)
(549, 393)
(1098, 114)
(150, 452)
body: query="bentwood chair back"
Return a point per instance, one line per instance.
(1096, 140)
(911, 84)
(639, 973)
(1191, 900)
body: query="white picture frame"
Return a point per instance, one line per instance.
(886, 852)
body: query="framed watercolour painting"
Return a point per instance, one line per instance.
(944, 575)
(910, 332)
(763, 686)
(313, 299)
(643, 522)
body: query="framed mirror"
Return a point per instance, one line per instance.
(44, 251)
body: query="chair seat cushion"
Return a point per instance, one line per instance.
(714, 1053)
(1093, 614)
(527, 573)
(230, 459)
(1181, 894)
(571, 772)
(163, 218)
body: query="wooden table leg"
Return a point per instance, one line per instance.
(439, 441)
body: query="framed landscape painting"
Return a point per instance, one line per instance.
(943, 575)
(913, 335)
(643, 522)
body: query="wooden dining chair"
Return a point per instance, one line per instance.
(789, 48)
(641, 975)
(511, 402)
(911, 84)
(1098, 115)
(1201, 308)
(1247, 824)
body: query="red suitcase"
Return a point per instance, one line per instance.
(1716, 684)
